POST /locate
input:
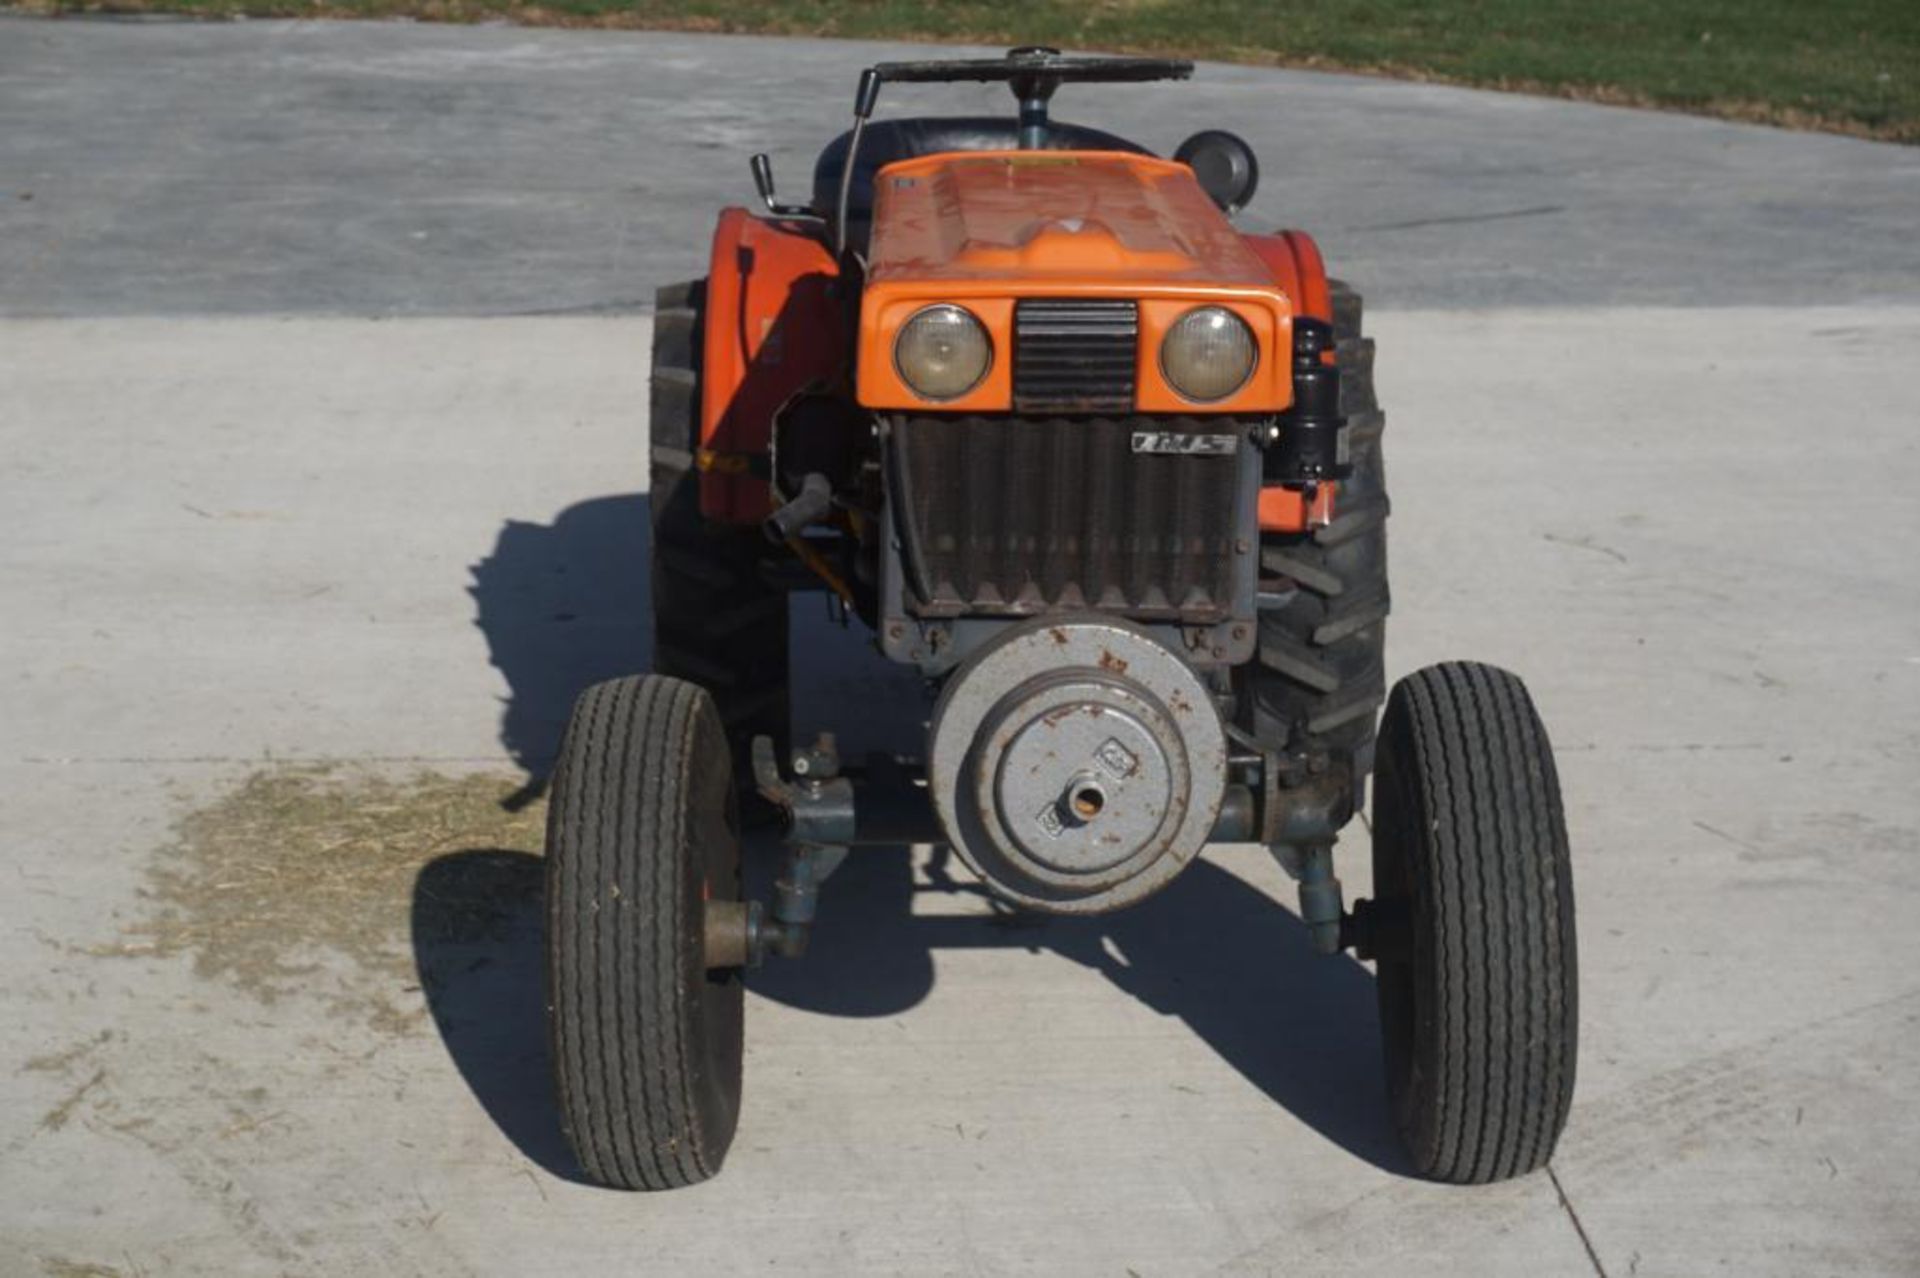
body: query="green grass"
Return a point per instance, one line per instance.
(1850, 66)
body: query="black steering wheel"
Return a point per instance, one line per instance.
(1037, 63)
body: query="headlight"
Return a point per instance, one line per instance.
(942, 352)
(1208, 354)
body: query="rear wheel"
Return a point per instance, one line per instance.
(1472, 925)
(642, 842)
(1319, 677)
(717, 621)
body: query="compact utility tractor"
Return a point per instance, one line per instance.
(1106, 472)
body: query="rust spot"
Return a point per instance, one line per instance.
(1059, 635)
(1109, 662)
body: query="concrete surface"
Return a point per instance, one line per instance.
(236, 541)
(386, 169)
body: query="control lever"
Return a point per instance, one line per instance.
(762, 167)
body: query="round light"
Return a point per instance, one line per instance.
(942, 352)
(1208, 354)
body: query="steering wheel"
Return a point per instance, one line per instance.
(1037, 63)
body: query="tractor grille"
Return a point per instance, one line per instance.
(1012, 516)
(1074, 355)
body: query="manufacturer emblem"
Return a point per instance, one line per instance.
(1167, 441)
(1116, 759)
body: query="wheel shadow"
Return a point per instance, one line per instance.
(478, 950)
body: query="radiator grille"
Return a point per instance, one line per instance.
(1015, 516)
(1074, 355)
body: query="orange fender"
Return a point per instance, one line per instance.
(773, 329)
(1297, 268)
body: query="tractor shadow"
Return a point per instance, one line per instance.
(1217, 953)
(563, 606)
(567, 604)
(1225, 958)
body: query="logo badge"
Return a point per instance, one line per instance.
(1169, 441)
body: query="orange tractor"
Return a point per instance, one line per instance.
(1106, 471)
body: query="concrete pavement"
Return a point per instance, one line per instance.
(247, 540)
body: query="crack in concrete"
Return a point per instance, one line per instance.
(1465, 218)
(1566, 1205)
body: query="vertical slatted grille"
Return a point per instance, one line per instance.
(1014, 516)
(1074, 355)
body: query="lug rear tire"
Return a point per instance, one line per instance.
(717, 621)
(1473, 887)
(642, 834)
(1317, 682)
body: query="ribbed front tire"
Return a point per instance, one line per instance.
(1474, 911)
(641, 835)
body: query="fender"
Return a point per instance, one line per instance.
(1301, 273)
(774, 327)
(1297, 268)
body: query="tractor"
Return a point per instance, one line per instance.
(1105, 471)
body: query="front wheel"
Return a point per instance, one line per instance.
(642, 843)
(1473, 915)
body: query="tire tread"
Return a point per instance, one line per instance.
(625, 1069)
(1501, 972)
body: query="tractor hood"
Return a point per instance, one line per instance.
(1033, 221)
(1002, 233)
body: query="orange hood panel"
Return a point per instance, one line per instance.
(987, 228)
(1084, 218)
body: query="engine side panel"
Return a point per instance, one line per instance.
(773, 329)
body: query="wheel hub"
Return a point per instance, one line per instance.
(1078, 765)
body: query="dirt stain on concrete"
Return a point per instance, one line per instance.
(57, 1117)
(62, 1267)
(56, 1062)
(268, 886)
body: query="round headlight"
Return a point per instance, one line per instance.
(942, 352)
(1208, 354)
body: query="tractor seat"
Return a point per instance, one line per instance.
(886, 141)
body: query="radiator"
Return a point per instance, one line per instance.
(1014, 516)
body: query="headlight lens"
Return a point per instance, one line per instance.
(1208, 354)
(942, 352)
